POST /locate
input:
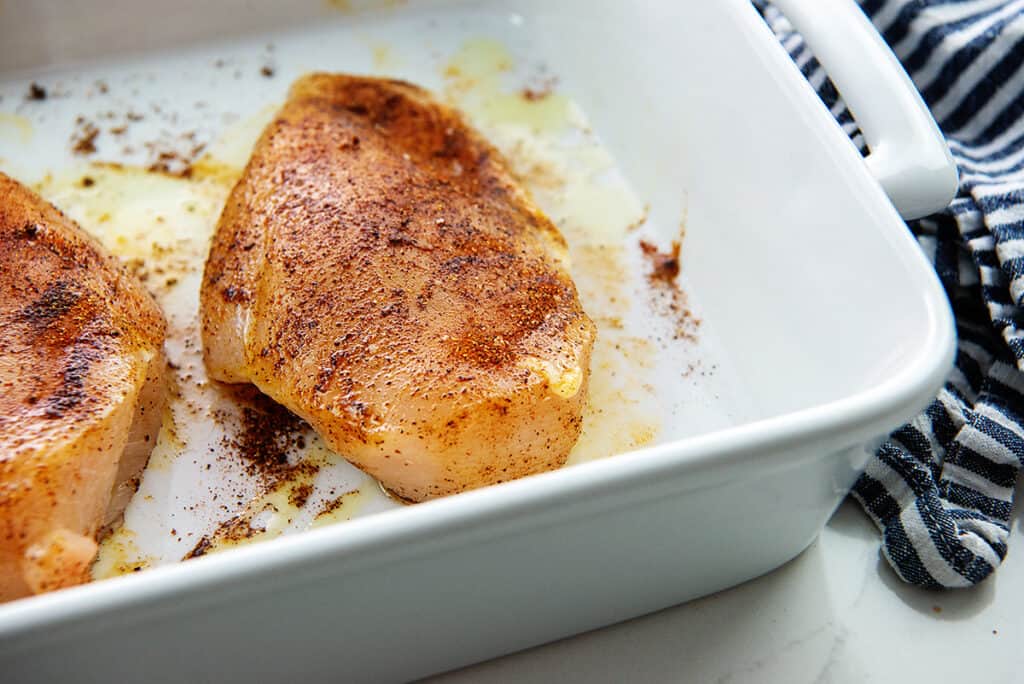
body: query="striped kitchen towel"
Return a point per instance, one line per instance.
(941, 488)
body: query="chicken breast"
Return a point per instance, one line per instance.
(378, 271)
(81, 371)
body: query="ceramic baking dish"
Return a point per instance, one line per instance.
(826, 319)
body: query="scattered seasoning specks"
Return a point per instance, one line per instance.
(667, 298)
(36, 92)
(83, 140)
(664, 265)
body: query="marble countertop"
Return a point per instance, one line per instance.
(837, 613)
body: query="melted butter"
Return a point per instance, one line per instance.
(345, 507)
(620, 414)
(574, 182)
(120, 555)
(135, 212)
(207, 168)
(267, 517)
(475, 77)
(384, 58)
(15, 128)
(562, 382)
(622, 411)
(169, 444)
(292, 504)
(230, 152)
(604, 215)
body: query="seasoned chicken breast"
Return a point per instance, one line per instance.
(378, 271)
(81, 371)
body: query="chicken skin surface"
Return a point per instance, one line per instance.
(378, 271)
(81, 393)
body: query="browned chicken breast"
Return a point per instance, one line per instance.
(81, 390)
(378, 271)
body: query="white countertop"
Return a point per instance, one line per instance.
(837, 613)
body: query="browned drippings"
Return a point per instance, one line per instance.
(667, 297)
(664, 266)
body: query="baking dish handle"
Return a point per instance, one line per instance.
(908, 154)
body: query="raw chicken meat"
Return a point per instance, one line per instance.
(379, 272)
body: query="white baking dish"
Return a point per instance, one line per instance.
(823, 311)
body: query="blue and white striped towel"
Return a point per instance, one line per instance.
(941, 488)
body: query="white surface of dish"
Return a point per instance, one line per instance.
(821, 307)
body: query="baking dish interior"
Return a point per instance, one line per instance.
(807, 285)
(814, 288)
